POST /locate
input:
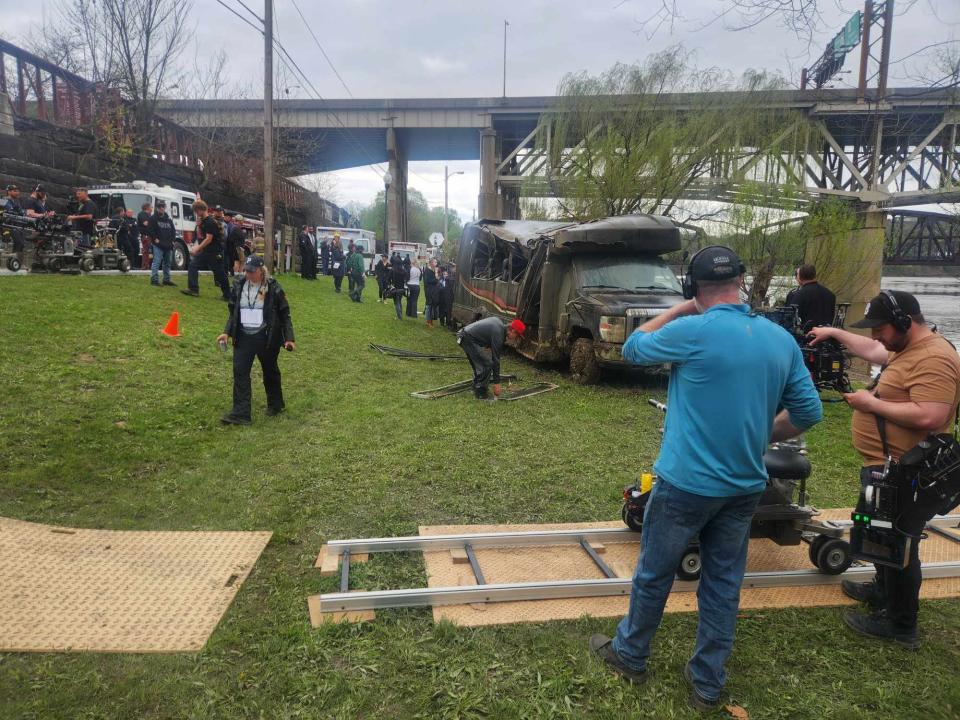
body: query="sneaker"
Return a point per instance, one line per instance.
(867, 592)
(231, 419)
(191, 293)
(698, 701)
(879, 627)
(169, 283)
(275, 411)
(602, 647)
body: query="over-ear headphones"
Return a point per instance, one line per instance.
(901, 321)
(689, 285)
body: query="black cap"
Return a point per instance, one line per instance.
(880, 310)
(716, 262)
(161, 203)
(12, 187)
(253, 262)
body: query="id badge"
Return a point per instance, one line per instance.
(251, 317)
(336, 266)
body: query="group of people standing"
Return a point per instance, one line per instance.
(399, 278)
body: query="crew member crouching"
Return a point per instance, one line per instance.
(483, 341)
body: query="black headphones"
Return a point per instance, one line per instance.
(901, 321)
(688, 284)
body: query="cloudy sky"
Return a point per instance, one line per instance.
(454, 48)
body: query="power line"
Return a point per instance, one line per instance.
(322, 51)
(259, 30)
(245, 7)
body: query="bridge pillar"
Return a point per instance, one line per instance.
(855, 276)
(396, 193)
(488, 201)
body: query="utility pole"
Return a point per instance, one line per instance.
(268, 133)
(446, 176)
(505, 24)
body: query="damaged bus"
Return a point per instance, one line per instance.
(581, 288)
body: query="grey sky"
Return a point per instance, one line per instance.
(454, 48)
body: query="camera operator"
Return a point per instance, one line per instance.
(11, 203)
(917, 393)
(36, 206)
(816, 304)
(723, 414)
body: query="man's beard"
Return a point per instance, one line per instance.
(898, 343)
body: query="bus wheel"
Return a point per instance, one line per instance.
(584, 368)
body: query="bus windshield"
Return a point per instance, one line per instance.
(633, 274)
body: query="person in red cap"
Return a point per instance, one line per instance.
(482, 342)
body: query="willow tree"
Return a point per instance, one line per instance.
(642, 137)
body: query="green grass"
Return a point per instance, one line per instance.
(356, 456)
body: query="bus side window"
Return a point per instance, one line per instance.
(481, 259)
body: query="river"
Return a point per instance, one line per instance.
(939, 299)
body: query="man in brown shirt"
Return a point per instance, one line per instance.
(917, 394)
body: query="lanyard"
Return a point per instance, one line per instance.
(252, 303)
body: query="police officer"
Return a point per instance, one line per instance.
(206, 253)
(917, 393)
(162, 233)
(259, 325)
(482, 342)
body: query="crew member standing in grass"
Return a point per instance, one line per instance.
(723, 414)
(143, 221)
(162, 232)
(917, 393)
(482, 342)
(259, 324)
(355, 268)
(337, 262)
(207, 254)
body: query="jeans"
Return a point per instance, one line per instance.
(398, 304)
(674, 519)
(164, 257)
(248, 348)
(413, 294)
(212, 261)
(482, 365)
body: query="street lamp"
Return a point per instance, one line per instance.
(387, 180)
(446, 176)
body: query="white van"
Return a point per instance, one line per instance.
(366, 240)
(134, 194)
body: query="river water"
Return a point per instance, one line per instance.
(939, 299)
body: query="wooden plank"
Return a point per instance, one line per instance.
(459, 556)
(598, 548)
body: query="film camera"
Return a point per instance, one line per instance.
(826, 361)
(930, 471)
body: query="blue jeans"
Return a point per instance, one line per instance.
(672, 520)
(160, 256)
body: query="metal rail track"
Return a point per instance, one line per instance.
(610, 584)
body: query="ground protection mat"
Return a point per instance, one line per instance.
(64, 589)
(504, 565)
(452, 389)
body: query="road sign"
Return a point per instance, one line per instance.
(435, 239)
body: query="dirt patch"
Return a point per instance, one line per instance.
(86, 359)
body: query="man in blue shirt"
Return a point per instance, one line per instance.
(731, 371)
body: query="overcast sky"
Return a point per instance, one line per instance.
(454, 48)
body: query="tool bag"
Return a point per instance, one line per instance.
(933, 465)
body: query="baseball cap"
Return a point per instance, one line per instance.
(253, 262)
(12, 187)
(716, 262)
(880, 310)
(518, 327)
(161, 203)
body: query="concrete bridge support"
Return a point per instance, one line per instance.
(396, 193)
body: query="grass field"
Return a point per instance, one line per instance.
(107, 424)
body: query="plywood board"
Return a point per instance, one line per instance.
(65, 589)
(503, 565)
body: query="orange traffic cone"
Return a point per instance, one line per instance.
(172, 328)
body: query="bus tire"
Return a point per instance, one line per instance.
(584, 368)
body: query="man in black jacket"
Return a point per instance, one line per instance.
(382, 271)
(483, 341)
(816, 305)
(308, 261)
(236, 241)
(162, 232)
(259, 324)
(445, 298)
(206, 253)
